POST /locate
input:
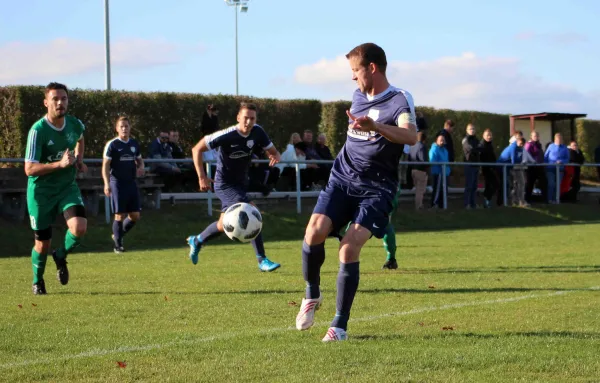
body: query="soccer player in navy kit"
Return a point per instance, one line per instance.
(362, 185)
(121, 165)
(235, 146)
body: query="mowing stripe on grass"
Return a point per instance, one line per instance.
(95, 352)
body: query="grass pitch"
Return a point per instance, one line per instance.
(480, 296)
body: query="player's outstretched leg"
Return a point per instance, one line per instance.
(264, 264)
(389, 244)
(197, 241)
(347, 281)
(313, 256)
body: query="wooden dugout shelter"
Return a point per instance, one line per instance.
(544, 123)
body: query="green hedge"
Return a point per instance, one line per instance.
(21, 106)
(149, 113)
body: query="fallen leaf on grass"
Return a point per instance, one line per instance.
(421, 324)
(166, 298)
(34, 305)
(121, 364)
(448, 328)
(20, 306)
(292, 303)
(431, 286)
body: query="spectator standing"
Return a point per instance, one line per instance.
(418, 153)
(557, 153)
(470, 146)
(487, 154)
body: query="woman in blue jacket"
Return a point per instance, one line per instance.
(438, 153)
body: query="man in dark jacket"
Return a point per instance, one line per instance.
(487, 154)
(470, 146)
(322, 149)
(419, 153)
(575, 157)
(210, 120)
(597, 160)
(447, 133)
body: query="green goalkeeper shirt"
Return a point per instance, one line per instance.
(46, 144)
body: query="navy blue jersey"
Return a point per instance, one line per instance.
(235, 153)
(122, 156)
(368, 160)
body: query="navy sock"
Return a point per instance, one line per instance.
(209, 233)
(312, 260)
(347, 284)
(259, 247)
(128, 225)
(118, 232)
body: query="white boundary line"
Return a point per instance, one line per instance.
(95, 352)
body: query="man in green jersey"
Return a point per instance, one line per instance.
(53, 156)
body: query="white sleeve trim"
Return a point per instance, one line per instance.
(33, 161)
(268, 146)
(105, 152)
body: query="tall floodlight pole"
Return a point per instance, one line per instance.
(241, 6)
(107, 44)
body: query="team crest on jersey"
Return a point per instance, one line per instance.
(374, 114)
(250, 143)
(70, 139)
(133, 149)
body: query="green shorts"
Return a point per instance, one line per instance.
(43, 206)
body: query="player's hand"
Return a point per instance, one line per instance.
(107, 191)
(67, 159)
(205, 183)
(274, 159)
(82, 168)
(140, 172)
(364, 123)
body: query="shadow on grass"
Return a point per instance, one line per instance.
(301, 291)
(515, 269)
(469, 290)
(167, 228)
(457, 334)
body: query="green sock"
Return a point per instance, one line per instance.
(389, 242)
(38, 265)
(71, 242)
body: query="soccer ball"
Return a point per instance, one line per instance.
(242, 222)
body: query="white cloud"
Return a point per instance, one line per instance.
(24, 63)
(465, 82)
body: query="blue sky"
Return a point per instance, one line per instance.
(501, 56)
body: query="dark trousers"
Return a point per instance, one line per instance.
(437, 197)
(504, 184)
(471, 173)
(535, 174)
(492, 184)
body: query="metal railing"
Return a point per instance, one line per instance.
(209, 195)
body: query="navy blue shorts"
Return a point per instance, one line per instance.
(125, 197)
(344, 204)
(229, 195)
